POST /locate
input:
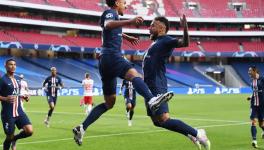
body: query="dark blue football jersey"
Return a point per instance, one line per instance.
(257, 86)
(52, 84)
(130, 91)
(112, 38)
(11, 86)
(154, 61)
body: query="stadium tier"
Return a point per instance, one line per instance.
(220, 46)
(198, 8)
(59, 3)
(85, 42)
(254, 8)
(254, 46)
(64, 19)
(216, 8)
(6, 38)
(91, 20)
(36, 1)
(207, 46)
(28, 37)
(37, 38)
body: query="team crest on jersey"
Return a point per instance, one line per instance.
(109, 15)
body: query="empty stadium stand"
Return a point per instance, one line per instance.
(72, 72)
(185, 74)
(34, 74)
(205, 8)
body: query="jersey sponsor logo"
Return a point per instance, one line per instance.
(109, 15)
(15, 92)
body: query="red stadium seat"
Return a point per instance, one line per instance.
(173, 8)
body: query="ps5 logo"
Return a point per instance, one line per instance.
(227, 90)
(196, 91)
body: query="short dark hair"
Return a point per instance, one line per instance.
(87, 75)
(165, 21)
(110, 3)
(9, 59)
(254, 68)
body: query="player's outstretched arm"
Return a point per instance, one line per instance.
(133, 40)
(120, 23)
(184, 42)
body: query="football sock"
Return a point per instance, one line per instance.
(6, 144)
(94, 115)
(50, 112)
(21, 135)
(142, 88)
(254, 132)
(131, 113)
(89, 108)
(179, 126)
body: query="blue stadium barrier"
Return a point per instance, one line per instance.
(189, 91)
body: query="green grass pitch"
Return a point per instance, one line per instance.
(225, 118)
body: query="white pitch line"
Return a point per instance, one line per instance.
(142, 116)
(129, 133)
(213, 120)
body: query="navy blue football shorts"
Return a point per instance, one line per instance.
(9, 123)
(52, 99)
(110, 67)
(257, 112)
(131, 101)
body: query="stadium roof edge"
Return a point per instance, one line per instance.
(95, 13)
